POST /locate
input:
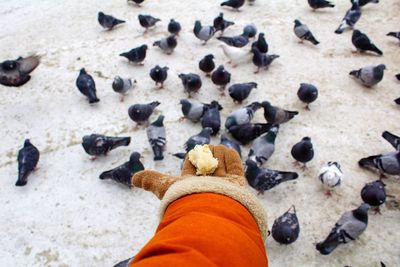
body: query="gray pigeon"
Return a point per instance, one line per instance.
(245, 133)
(122, 86)
(350, 18)
(16, 72)
(220, 24)
(303, 151)
(147, 21)
(307, 93)
(231, 144)
(262, 60)
(394, 34)
(140, 113)
(123, 174)
(136, 55)
(240, 91)
(277, 115)
(348, 228)
(331, 176)
(262, 179)
(286, 228)
(191, 82)
(363, 43)
(242, 116)
(369, 75)
(107, 21)
(98, 144)
(167, 44)
(316, 4)
(201, 138)
(87, 86)
(157, 137)
(204, 33)
(303, 32)
(385, 163)
(28, 158)
(264, 146)
(159, 75)
(192, 109)
(211, 117)
(393, 139)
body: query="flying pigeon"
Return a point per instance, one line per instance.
(348, 228)
(191, 83)
(201, 138)
(245, 133)
(242, 115)
(207, 65)
(330, 175)
(286, 228)
(369, 75)
(363, 43)
(159, 75)
(221, 77)
(277, 115)
(261, 44)
(307, 93)
(220, 24)
(174, 27)
(167, 44)
(122, 86)
(192, 109)
(123, 174)
(350, 18)
(140, 113)
(211, 117)
(316, 4)
(107, 21)
(98, 144)
(264, 146)
(262, 179)
(231, 144)
(240, 91)
(136, 55)
(303, 151)
(157, 137)
(374, 194)
(16, 72)
(28, 158)
(203, 33)
(303, 32)
(236, 55)
(393, 139)
(87, 86)
(147, 21)
(261, 60)
(385, 163)
(235, 4)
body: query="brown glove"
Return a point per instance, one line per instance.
(229, 168)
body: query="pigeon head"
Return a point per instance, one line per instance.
(209, 57)
(254, 106)
(361, 212)
(297, 23)
(215, 104)
(221, 15)
(266, 104)
(135, 156)
(82, 71)
(100, 14)
(154, 104)
(197, 26)
(251, 164)
(27, 142)
(382, 66)
(206, 131)
(143, 47)
(159, 121)
(330, 163)
(306, 139)
(182, 76)
(249, 31)
(9, 65)
(356, 33)
(261, 35)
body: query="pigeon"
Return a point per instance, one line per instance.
(16, 72)
(192, 109)
(261, 60)
(385, 163)
(393, 139)
(330, 175)
(107, 21)
(235, 4)
(140, 113)
(303, 32)
(86, 86)
(369, 75)
(363, 43)
(236, 55)
(191, 82)
(207, 65)
(350, 18)
(98, 144)
(286, 228)
(201, 138)
(123, 173)
(261, 44)
(349, 227)
(221, 77)
(307, 93)
(394, 34)
(167, 44)
(28, 158)
(250, 30)
(211, 117)
(235, 41)
(277, 115)
(240, 91)
(303, 151)
(137, 2)
(245, 133)
(122, 86)
(203, 33)
(157, 137)
(147, 21)
(230, 144)
(262, 179)
(316, 4)
(374, 194)
(264, 146)
(398, 76)
(242, 115)
(220, 24)
(159, 75)
(174, 27)
(364, 2)
(136, 55)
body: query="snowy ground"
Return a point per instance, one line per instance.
(66, 216)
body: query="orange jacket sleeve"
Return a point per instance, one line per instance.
(205, 229)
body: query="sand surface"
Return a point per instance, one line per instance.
(66, 216)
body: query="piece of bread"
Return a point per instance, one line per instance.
(202, 158)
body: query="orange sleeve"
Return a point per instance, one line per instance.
(205, 229)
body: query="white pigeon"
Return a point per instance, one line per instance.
(236, 55)
(331, 176)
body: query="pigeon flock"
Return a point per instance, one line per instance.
(250, 47)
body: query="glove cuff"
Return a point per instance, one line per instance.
(218, 185)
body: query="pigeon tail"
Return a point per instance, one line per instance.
(391, 34)
(120, 141)
(376, 50)
(287, 176)
(106, 175)
(158, 153)
(22, 179)
(394, 140)
(180, 155)
(329, 245)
